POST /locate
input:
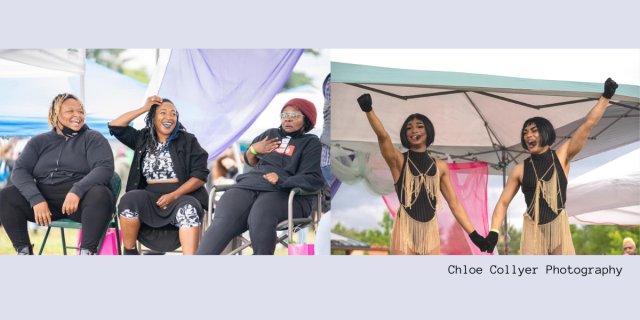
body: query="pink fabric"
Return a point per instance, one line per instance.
(110, 244)
(301, 249)
(469, 181)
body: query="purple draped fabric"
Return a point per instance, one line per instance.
(219, 93)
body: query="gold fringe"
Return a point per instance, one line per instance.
(419, 237)
(544, 239)
(549, 190)
(413, 184)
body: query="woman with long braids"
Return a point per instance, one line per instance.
(283, 158)
(543, 178)
(165, 191)
(64, 173)
(419, 179)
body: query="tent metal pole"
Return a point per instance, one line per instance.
(624, 105)
(507, 99)
(506, 228)
(377, 91)
(612, 123)
(82, 89)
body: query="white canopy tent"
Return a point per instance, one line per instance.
(479, 117)
(609, 194)
(43, 63)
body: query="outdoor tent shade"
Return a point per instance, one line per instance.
(477, 117)
(608, 194)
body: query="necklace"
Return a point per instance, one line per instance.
(414, 183)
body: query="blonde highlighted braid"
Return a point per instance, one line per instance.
(54, 108)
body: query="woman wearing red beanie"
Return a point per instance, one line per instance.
(283, 158)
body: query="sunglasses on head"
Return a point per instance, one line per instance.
(293, 115)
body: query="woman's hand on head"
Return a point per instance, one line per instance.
(266, 145)
(151, 101)
(271, 177)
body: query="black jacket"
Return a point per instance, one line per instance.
(297, 165)
(50, 158)
(189, 159)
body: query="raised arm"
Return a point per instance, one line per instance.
(572, 147)
(391, 155)
(125, 119)
(510, 190)
(456, 207)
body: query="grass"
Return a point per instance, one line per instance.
(54, 242)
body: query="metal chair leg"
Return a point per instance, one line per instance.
(118, 239)
(64, 243)
(44, 241)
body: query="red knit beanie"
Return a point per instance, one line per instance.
(305, 106)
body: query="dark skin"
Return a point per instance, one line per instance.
(71, 115)
(566, 152)
(165, 120)
(268, 145)
(417, 137)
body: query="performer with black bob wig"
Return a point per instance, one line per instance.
(166, 198)
(282, 159)
(419, 179)
(64, 173)
(543, 178)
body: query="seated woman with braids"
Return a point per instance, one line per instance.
(165, 198)
(63, 173)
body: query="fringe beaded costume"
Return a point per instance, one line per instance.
(546, 223)
(418, 190)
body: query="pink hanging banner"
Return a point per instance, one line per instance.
(469, 181)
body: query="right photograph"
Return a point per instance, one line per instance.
(485, 152)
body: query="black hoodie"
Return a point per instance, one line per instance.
(297, 165)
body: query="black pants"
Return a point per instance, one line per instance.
(259, 212)
(94, 211)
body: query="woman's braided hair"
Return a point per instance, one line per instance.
(152, 138)
(56, 104)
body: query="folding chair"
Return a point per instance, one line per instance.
(290, 224)
(116, 184)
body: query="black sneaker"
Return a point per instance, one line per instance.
(131, 252)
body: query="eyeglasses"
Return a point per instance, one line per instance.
(292, 115)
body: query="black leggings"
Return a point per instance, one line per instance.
(98, 204)
(259, 212)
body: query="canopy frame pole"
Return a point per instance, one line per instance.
(614, 122)
(378, 91)
(506, 225)
(458, 157)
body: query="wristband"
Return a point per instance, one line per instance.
(494, 230)
(253, 150)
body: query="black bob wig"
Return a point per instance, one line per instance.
(431, 132)
(545, 130)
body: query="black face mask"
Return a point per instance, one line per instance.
(70, 133)
(294, 134)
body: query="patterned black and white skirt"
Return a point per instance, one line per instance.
(159, 226)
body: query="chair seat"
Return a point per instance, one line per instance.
(70, 224)
(297, 223)
(66, 223)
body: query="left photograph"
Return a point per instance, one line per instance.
(164, 151)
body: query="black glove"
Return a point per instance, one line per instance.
(610, 87)
(492, 240)
(365, 102)
(478, 240)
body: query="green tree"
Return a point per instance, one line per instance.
(112, 59)
(514, 244)
(601, 239)
(297, 79)
(380, 237)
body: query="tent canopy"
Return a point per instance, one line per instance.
(607, 194)
(25, 63)
(476, 116)
(24, 102)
